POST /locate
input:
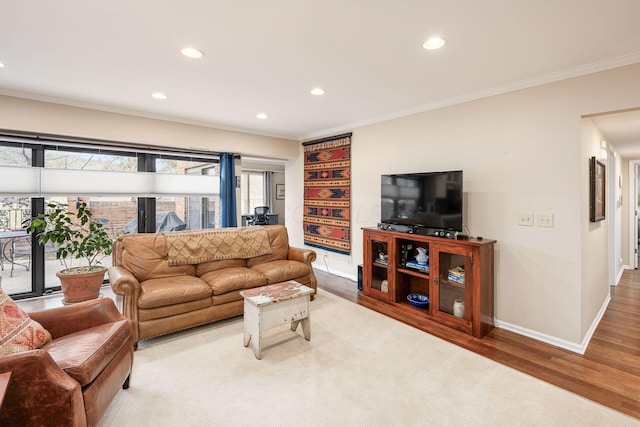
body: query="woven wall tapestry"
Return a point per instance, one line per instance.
(327, 193)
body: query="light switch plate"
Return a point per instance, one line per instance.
(525, 218)
(544, 219)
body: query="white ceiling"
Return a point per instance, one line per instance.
(265, 56)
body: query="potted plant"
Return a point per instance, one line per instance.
(75, 235)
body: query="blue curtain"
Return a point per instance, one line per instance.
(228, 217)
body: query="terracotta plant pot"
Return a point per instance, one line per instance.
(81, 283)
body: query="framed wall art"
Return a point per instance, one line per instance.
(597, 190)
(279, 191)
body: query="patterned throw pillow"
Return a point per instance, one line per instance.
(17, 331)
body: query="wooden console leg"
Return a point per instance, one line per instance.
(126, 382)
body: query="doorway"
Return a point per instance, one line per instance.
(621, 129)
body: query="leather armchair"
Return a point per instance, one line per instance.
(72, 379)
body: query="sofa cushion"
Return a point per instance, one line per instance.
(227, 298)
(146, 258)
(233, 279)
(279, 241)
(205, 267)
(18, 332)
(172, 290)
(282, 270)
(84, 354)
(144, 315)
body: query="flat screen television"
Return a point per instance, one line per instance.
(430, 199)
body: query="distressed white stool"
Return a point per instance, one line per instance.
(275, 305)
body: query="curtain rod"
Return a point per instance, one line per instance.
(329, 138)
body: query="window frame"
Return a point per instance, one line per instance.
(146, 156)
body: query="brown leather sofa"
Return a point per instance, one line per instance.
(161, 290)
(72, 379)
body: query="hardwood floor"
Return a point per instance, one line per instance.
(608, 372)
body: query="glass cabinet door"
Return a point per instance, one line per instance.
(452, 283)
(380, 259)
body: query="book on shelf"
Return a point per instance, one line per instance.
(456, 275)
(424, 268)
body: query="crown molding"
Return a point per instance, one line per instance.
(556, 76)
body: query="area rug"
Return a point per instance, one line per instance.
(327, 193)
(360, 368)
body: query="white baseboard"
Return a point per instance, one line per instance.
(619, 276)
(335, 272)
(558, 342)
(539, 336)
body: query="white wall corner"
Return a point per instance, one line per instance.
(558, 342)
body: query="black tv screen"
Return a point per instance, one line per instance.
(430, 199)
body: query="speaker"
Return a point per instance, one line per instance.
(360, 277)
(397, 227)
(406, 253)
(447, 234)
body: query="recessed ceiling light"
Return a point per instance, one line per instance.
(317, 91)
(434, 43)
(1, 65)
(261, 116)
(192, 52)
(158, 95)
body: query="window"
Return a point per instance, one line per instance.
(65, 158)
(252, 190)
(15, 156)
(102, 177)
(193, 212)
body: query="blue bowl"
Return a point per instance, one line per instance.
(418, 300)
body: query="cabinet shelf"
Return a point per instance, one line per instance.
(413, 272)
(423, 312)
(445, 282)
(472, 257)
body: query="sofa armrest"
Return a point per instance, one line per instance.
(123, 282)
(125, 285)
(127, 289)
(40, 391)
(68, 319)
(306, 256)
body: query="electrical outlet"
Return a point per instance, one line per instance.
(544, 219)
(525, 218)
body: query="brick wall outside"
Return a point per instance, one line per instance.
(119, 213)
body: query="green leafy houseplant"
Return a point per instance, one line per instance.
(75, 235)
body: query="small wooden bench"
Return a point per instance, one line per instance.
(275, 305)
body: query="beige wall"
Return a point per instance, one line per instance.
(520, 152)
(42, 117)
